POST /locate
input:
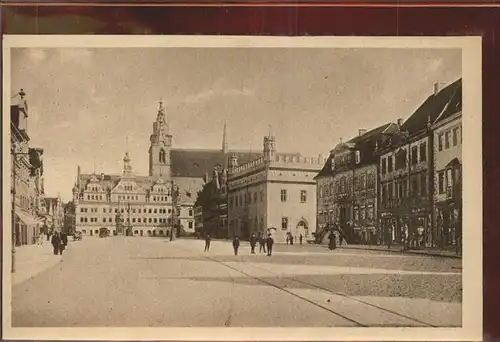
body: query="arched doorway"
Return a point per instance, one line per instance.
(302, 228)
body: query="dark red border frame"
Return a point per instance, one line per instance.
(293, 20)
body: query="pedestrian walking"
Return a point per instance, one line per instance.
(269, 242)
(332, 243)
(56, 241)
(291, 239)
(287, 238)
(300, 238)
(262, 243)
(207, 242)
(62, 246)
(236, 245)
(253, 242)
(64, 239)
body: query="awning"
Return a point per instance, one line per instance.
(28, 219)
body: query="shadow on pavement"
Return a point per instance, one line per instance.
(406, 264)
(430, 287)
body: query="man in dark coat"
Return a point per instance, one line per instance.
(262, 243)
(236, 245)
(253, 242)
(207, 242)
(56, 241)
(300, 238)
(64, 239)
(332, 243)
(269, 243)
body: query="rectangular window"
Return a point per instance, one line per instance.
(447, 140)
(139, 219)
(190, 212)
(150, 220)
(283, 195)
(81, 219)
(414, 156)
(455, 136)
(440, 141)
(384, 166)
(423, 184)
(389, 164)
(155, 220)
(284, 223)
(104, 220)
(423, 151)
(81, 210)
(414, 185)
(441, 182)
(156, 211)
(150, 210)
(303, 196)
(190, 224)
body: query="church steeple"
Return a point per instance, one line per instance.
(127, 167)
(160, 145)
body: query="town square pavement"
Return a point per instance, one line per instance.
(152, 282)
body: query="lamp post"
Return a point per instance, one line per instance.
(14, 232)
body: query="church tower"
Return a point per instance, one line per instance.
(160, 145)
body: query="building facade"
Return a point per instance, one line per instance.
(407, 175)
(26, 176)
(69, 225)
(348, 187)
(276, 191)
(447, 159)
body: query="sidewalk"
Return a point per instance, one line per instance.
(397, 249)
(32, 260)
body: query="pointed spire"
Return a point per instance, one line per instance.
(224, 139)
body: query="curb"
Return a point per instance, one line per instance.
(433, 254)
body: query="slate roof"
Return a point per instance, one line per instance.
(365, 143)
(433, 106)
(195, 163)
(454, 104)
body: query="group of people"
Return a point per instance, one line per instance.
(263, 242)
(289, 238)
(59, 242)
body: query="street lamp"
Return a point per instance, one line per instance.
(14, 233)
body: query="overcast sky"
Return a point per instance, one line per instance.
(84, 102)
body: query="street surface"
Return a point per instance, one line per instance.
(152, 282)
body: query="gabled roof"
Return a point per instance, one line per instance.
(454, 105)
(326, 171)
(432, 107)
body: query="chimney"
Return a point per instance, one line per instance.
(361, 131)
(400, 122)
(436, 88)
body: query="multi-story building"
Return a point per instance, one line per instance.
(26, 176)
(347, 186)
(447, 158)
(147, 205)
(407, 174)
(276, 190)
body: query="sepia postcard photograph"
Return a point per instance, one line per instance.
(242, 188)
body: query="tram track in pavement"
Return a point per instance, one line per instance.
(292, 279)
